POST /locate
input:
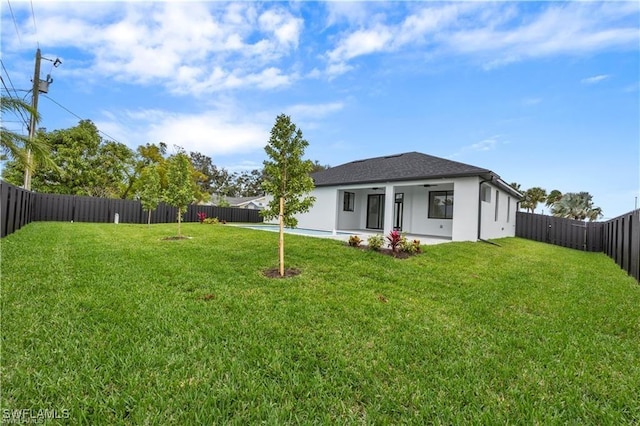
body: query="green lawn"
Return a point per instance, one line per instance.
(117, 326)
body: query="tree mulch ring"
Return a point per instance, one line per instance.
(176, 238)
(275, 272)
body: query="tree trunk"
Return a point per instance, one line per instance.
(179, 220)
(149, 219)
(281, 241)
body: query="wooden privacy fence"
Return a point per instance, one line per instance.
(574, 234)
(16, 207)
(618, 238)
(19, 207)
(621, 242)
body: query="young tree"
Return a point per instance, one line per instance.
(150, 155)
(150, 189)
(181, 189)
(286, 177)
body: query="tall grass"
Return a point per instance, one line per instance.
(118, 326)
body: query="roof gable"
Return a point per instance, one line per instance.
(399, 167)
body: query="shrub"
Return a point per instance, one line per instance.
(409, 246)
(211, 220)
(201, 216)
(375, 242)
(394, 238)
(354, 241)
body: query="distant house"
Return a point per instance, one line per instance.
(415, 193)
(253, 203)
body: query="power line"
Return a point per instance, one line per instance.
(9, 77)
(15, 24)
(14, 90)
(35, 27)
(78, 117)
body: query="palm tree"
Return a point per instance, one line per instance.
(515, 186)
(12, 144)
(578, 206)
(594, 214)
(532, 197)
(15, 146)
(553, 197)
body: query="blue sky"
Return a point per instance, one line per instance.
(542, 93)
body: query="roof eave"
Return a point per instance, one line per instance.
(480, 173)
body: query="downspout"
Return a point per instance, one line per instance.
(480, 211)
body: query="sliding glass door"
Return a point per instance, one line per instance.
(375, 211)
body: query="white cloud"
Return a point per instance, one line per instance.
(215, 132)
(174, 44)
(362, 42)
(531, 101)
(222, 129)
(269, 78)
(428, 20)
(485, 145)
(305, 111)
(209, 133)
(352, 13)
(565, 29)
(381, 36)
(283, 25)
(634, 87)
(334, 70)
(595, 79)
(495, 34)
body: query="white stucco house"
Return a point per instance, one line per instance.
(252, 203)
(415, 193)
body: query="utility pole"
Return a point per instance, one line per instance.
(32, 124)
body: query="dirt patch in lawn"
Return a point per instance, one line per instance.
(275, 273)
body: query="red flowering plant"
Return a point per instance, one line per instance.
(394, 238)
(201, 216)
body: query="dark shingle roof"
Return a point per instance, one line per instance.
(407, 166)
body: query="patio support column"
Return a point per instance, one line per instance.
(389, 200)
(336, 213)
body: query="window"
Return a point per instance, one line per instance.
(497, 204)
(486, 193)
(349, 201)
(508, 208)
(441, 205)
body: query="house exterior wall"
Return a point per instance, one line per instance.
(328, 212)
(351, 219)
(504, 224)
(465, 209)
(417, 219)
(322, 216)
